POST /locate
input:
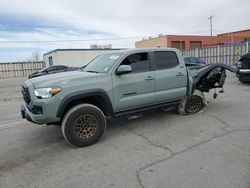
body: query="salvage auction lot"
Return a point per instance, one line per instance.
(209, 149)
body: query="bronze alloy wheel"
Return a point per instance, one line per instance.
(194, 104)
(85, 126)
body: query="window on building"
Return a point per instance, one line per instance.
(139, 62)
(165, 60)
(195, 44)
(178, 44)
(50, 61)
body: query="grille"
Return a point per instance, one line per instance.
(26, 94)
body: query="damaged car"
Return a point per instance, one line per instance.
(119, 84)
(243, 68)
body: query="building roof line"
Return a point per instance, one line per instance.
(233, 32)
(83, 49)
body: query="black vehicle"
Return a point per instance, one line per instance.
(243, 68)
(51, 70)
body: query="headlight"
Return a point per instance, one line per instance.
(44, 93)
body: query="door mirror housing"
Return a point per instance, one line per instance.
(123, 69)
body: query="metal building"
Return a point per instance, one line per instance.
(73, 57)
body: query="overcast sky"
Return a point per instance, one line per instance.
(121, 23)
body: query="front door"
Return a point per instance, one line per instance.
(134, 89)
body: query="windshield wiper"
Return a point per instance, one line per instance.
(92, 71)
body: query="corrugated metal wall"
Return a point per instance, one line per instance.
(20, 69)
(226, 54)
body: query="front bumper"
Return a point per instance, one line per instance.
(48, 117)
(244, 71)
(39, 111)
(244, 75)
(26, 114)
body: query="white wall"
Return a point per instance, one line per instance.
(73, 57)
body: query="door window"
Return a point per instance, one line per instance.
(165, 60)
(139, 62)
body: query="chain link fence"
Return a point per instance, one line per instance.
(19, 69)
(226, 54)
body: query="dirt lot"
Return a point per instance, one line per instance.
(209, 149)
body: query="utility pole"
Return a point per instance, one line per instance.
(211, 24)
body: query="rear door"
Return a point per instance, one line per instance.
(170, 76)
(135, 89)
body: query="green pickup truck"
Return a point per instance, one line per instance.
(122, 83)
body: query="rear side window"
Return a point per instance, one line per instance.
(165, 60)
(61, 67)
(194, 59)
(50, 69)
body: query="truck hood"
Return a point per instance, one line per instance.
(60, 79)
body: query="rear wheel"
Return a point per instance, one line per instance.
(193, 104)
(83, 125)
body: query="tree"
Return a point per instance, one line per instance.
(35, 56)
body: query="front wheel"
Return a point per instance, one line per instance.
(83, 125)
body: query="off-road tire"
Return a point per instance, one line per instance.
(77, 129)
(185, 107)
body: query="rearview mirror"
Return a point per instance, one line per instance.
(123, 69)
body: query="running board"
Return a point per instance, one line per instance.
(146, 108)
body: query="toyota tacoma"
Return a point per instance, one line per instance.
(118, 84)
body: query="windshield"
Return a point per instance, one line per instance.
(102, 63)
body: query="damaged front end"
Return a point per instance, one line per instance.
(210, 77)
(203, 79)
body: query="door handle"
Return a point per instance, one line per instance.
(179, 74)
(149, 78)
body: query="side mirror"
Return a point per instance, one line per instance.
(123, 69)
